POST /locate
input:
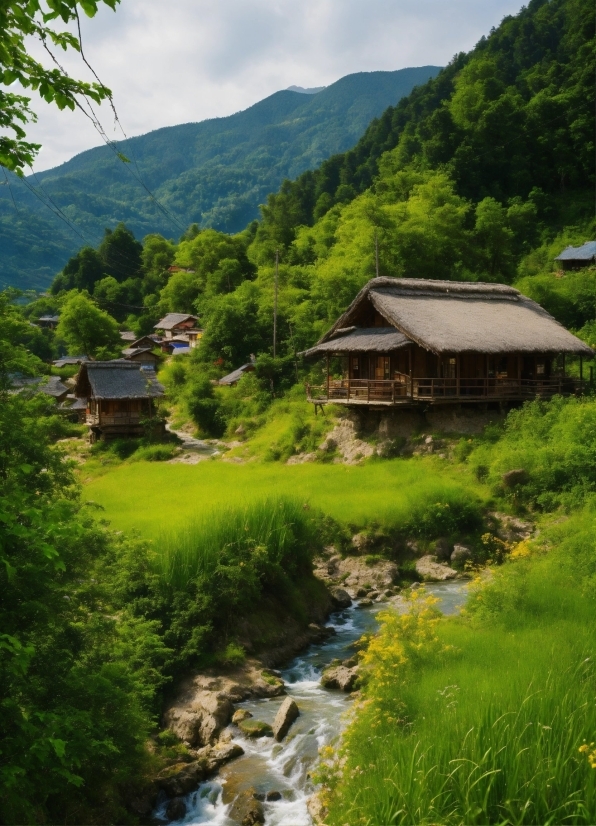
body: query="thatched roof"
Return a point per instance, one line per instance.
(172, 320)
(118, 379)
(587, 252)
(462, 317)
(361, 340)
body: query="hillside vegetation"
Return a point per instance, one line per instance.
(216, 172)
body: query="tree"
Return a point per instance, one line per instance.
(121, 253)
(81, 272)
(19, 21)
(87, 329)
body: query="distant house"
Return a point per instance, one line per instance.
(127, 335)
(143, 355)
(176, 324)
(572, 258)
(121, 398)
(234, 377)
(49, 385)
(49, 321)
(68, 361)
(417, 342)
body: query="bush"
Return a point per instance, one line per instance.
(155, 453)
(204, 407)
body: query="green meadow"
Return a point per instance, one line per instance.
(154, 497)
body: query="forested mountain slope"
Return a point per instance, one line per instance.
(512, 116)
(215, 173)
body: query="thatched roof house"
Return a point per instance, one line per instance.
(120, 396)
(413, 338)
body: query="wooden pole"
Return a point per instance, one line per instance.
(410, 372)
(327, 356)
(275, 306)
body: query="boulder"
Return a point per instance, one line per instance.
(512, 478)
(361, 542)
(340, 598)
(340, 677)
(443, 550)
(461, 554)
(200, 723)
(176, 809)
(255, 728)
(364, 603)
(217, 756)
(181, 778)
(271, 797)
(432, 571)
(286, 714)
(316, 809)
(246, 810)
(240, 715)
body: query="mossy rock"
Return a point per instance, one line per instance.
(255, 728)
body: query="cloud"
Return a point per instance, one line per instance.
(187, 60)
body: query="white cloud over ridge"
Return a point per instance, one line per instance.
(188, 60)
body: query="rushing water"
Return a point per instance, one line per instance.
(284, 767)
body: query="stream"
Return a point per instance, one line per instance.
(284, 767)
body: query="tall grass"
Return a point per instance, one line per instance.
(486, 726)
(272, 531)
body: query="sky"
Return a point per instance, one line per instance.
(175, 61)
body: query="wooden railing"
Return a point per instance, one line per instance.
(403, 389)
(115, 418)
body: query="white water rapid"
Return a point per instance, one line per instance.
(268, 766)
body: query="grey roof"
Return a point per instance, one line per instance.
(180, 351)
(118, 379)
(172, 320)
(135, 351)
(362, 340)
(54, 319)
(587, 252)
(128, 335)
(63, 362)
(463, 317)
(237, 374)
(50, 385)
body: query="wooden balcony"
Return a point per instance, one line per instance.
(405, 390)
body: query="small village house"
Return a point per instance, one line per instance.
(122, 398)
(412, 342)
(574, 258)
(176, 324)
(141, 355)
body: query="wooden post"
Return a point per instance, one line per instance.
(410, 372)
(327, 357)
(457, 372)
(275, 304)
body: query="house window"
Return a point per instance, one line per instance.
(450, 368)
(540, 368)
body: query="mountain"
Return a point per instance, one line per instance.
(215, 173)
(511, 119)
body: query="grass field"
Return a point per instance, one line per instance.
(155, 497)
(492, 720)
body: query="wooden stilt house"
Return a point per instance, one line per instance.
(122, 399)
(412, 342)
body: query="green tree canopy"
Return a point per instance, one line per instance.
(86, 329)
